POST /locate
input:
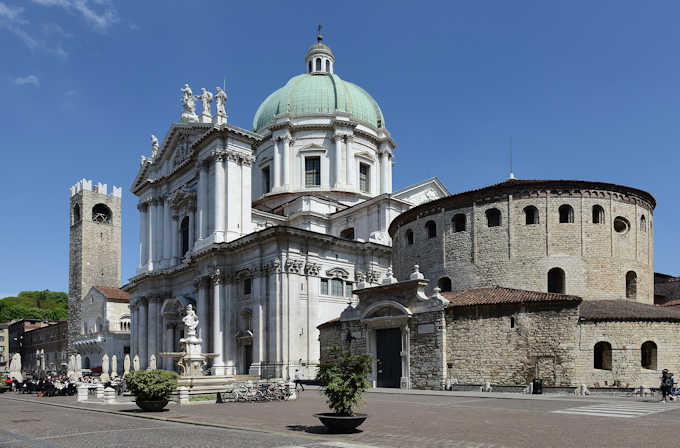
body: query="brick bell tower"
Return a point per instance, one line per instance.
(94, 246)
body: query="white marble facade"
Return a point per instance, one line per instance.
(231, 223)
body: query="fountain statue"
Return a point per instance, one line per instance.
(190, 359)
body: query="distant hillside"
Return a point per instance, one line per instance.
(46, 305)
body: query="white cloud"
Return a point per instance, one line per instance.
(52, 29)
(10, 13)
(100, 14)
(30, 79)
(11, 19)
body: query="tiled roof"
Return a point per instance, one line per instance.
(626, 310)
(498, 295)
(674, 302)
(330, 322)
(113, 293)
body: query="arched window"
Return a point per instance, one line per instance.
(184, 234)
(602, 356)
(556, 280)
(347, 234)
(76, 214)
(409, 237)
(493, 217)
(101, 214)
(310, 66)
(328, 66)
(566, 214)
(444, 284)
(530, 215)
(459, 222)
(431, 228)
(643, 223)
(648, 355)
(598, 214)
(318, 64)
(631, 285)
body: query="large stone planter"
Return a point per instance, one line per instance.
(341, 424)
(152, 406)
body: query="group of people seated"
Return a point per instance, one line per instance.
(46, 386)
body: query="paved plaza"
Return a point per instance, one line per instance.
(396, 420)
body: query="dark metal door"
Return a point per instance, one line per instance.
(247, 358)
(388, 351)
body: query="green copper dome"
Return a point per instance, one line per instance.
(319, 93)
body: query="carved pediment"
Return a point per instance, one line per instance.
(338, 273)
(312, 147)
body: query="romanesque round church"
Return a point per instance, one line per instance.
(289, 240)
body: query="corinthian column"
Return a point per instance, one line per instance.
(151, 218)
(203, 323)
(142, 234)
(153, 329)
(285, 162)
(218, 347)
(203, 201)
(220, 190)
(350, 162)
(142, 340)
(384, 160)
(338, 159)
(277, 165)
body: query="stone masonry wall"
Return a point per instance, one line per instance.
(595, 257)
(427, 365)
(626, 339)
(481, 344)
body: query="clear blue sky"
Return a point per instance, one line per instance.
(587, 90)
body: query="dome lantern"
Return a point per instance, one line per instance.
(319, 58)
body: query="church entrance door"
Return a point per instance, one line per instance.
(388, 352)
(247, 358)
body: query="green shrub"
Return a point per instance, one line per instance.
(151, 385)
(343, 380)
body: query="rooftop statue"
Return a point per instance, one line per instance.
(220, 101)
(154, 145)
(206, 99)
(188, 104)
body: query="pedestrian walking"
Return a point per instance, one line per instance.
(298, 380)
(667, 385)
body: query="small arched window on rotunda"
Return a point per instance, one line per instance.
(101, 214)
(648, 355)
(76, 214)
(643, 223)
(328, 66)
(602, 356)
(459, 222)
(444, 284)
(566, 214)
(184, 234)
(431, 229)
(530, 215)
(493, 217)
(409, 237)
(556, 280)
(598, 214)
(631, 285)
(318, 64)
(310, 67)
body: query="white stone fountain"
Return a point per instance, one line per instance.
(191, 361)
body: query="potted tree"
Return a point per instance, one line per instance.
(343, 380)
(151, 388)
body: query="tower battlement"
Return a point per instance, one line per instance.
(87, 185)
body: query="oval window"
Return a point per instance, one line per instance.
(621, 224)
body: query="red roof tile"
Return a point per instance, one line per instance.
(113, 293)
(498, 295)
(626, 310)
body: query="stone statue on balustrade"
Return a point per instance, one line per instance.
(154, 146)
(188, 105)
(220, 106)
(126, 364)
(206, 99)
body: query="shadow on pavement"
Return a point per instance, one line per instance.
(319, 429)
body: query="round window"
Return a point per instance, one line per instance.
(621, 224)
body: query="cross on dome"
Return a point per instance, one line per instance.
(319, 58)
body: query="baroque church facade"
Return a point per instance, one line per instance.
(266, 232)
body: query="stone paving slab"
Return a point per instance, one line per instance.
(416, 420)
